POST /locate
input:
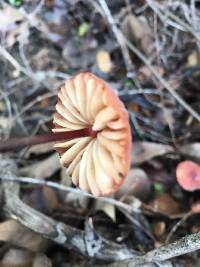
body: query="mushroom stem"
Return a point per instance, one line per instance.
(16, 143)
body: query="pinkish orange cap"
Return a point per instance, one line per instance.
(96, 164)
(188, 175)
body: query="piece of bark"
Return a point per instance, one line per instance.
(184, 245)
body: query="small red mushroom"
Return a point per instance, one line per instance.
(188, 175)
(97, 164)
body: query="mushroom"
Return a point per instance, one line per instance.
(188, 175)
(97, 163)
(92, 132)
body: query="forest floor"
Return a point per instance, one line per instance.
(148, 51)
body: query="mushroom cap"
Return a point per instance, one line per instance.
(188, 175)
(99, 164)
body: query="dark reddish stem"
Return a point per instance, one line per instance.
(16, 143)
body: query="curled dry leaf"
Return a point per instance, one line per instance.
(50, 198)
(39, 149)
(165, 204)
(136, 184)
(18, 235)
(42, 169)
(144, 73)
(96, 164)
(137, 31)
(144, 151)
(17, 258)
(188, 175)
(159, 228)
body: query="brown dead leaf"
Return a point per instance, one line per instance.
(39, 149)
(42, 169)
(104, 61)
(18, 235)
(134, 107)
(145, 73)
(44, 103)
(17, 258)
(137, 30)
(144, 151)
(136, 184)
(165, 204)
(192, 150)
(159, 228)
(50, 198)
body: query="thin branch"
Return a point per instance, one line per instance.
(13, 61)
(60, 233)
(177, 225)
(187, 244)
(163, 82)
(136, 51)
(112, 201)
(39, 76)
(157, 8)
(34, 220)
(9, 110)
(16, 143)
(119, 37)
(88, 242)
(38, 99)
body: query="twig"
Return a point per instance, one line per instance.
(177, 225)
(39, 76)
(157, 7)
(136, 51)
(60, 233)
(163, 82)
(9, 109)
(87, 242)
(30, 180)
(16, 143)
(183, 246)
(119, 37)
(13, 61)
(66, 235)
(38, 99)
